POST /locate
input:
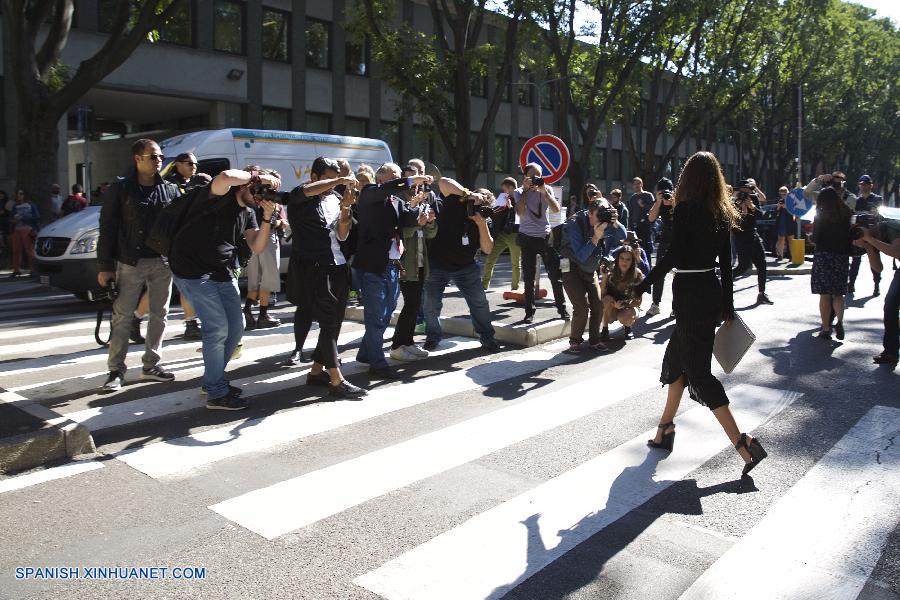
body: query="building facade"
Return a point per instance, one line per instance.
(275, 64)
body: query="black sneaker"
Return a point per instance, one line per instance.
(232, 389)
(114, 381)
(156, 373)
(192, 330)
(564, 315)
(529, 317)
(762, 298)
(227, 402)
(319, 379)
(839, 330)
(267, 322)
(491, 346)
(430, 345)
(345, 389)
(604, 335)
(627, 333)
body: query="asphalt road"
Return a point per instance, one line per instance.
(522, 474)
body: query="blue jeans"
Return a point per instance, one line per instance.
(380, 293)
(468, 280)
(218, 304)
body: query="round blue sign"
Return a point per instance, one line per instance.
(796, 203)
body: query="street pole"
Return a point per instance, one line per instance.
(799, 148)
(84, 125)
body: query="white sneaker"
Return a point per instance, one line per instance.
(403, 354)
(416, 351)
(653, 310)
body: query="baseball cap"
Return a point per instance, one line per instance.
(865, 179)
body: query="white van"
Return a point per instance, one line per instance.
(66, 250)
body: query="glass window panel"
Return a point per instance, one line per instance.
(276, 35)
(421, 142)
(356, 127)
(318, 123)
(597, 166)
(501, 153)
(228, 26)
(390, 134)
(276, 118)
(615, 165)
(318, 44)
(356, 57)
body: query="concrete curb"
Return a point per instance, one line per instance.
(58, 438)
(522, 335)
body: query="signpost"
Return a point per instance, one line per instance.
(548, 151)
(798, 205)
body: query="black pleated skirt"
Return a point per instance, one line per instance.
(697, 299)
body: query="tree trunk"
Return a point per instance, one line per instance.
(38, 139)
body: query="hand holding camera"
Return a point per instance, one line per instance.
(268, 210)
(535, 182)
(422, 179)
(105, 277)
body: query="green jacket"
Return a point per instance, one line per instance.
(411, 243)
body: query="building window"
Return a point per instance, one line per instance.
(525, 90)
(481, 161)
(356, 57)
(501, 153)
(318, 122)
(356, 127)
(547, 97)
(442, 158)
(421, 142)
(615, 165)
(597, 167)
(278, 119)
(276, 35)
(178, 30)
(318, 44)
(390, 134)
(228, 26)
(478, 87)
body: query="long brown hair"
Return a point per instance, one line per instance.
(701, 181)
(830, 207)
(633, 275)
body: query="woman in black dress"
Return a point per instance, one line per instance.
(704, 218)
(831, 262)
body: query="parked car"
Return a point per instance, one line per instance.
(66, 250)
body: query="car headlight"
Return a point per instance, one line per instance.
(87, 243)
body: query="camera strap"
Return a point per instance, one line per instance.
(97, 337)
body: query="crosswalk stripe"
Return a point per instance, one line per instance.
(34, 329)
(183, 454)
(827, 532)
(493, 552)
(36, 299)
(298, 502)
(29, 479)
(104, 417)
(22, 347)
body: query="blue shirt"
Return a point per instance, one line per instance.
(577, 236)
(615, 235)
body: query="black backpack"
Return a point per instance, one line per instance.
(173, 217)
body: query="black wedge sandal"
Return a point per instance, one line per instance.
(754, 449)
(668, 439)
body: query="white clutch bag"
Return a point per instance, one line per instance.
(731, 343)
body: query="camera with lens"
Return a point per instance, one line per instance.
(261, 191)
(105, 294)
(605, 214)
(666, 194)
(861, 221)
(484, 210)
(537, 181)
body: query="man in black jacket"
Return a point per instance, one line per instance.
(382, 215)
(129, 211)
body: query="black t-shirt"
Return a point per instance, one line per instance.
(310, 237)
(152, 196)
(666, 218)
(207, 244)
(449, 249)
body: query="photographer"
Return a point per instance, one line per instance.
(382, 215)
(461, 231)
(662, 209)
(615, 234)
(866, 202)
(639, 206)
(831, 262)
(506, 236)
(784, 224)
(414, 268)
(748, 244)
(835, 181)
(615, 201)
(619, 303)
(129, 210)
(872, 240)
(318, 274)
(204, 259)
(582, 252)
(533, 201)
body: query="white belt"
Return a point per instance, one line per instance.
(680, 271)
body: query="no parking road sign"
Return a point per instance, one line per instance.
(796, 203)
(548, 151)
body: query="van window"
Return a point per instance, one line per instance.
(213, 166)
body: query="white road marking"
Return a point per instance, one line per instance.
(183, 454)
(824, 537)
(298, 502)
(67, 470)
(493, 552)
(32, 300)
(104, 417)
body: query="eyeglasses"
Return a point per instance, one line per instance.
(155, 156)
(187, 162)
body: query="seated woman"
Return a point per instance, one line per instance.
(619, 304)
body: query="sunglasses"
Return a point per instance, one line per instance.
(156, 156)
(187, 162)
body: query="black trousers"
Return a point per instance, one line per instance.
(697, 298)
(750, 250)
(645, 234)
(532, 247)
(323, 293)
(658, 287)
(412, 301)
